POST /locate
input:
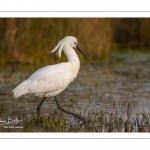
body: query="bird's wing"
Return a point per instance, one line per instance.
(45, 80)
(49, 79)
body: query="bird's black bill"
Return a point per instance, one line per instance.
(77, 46)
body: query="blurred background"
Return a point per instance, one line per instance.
(30, 40)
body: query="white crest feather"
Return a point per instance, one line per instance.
(60, 46)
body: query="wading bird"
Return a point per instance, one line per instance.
(53, 79)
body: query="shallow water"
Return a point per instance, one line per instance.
(109, 89)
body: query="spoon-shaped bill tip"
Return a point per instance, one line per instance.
(77, 46)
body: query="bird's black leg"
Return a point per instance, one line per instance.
(39, 106)
(76, 115)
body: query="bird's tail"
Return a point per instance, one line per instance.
(20, 90)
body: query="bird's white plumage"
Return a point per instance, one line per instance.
(51, 80)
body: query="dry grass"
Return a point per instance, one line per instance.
(23, 40)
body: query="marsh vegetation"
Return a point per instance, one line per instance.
(115, 98)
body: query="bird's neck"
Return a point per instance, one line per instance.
(73, 59)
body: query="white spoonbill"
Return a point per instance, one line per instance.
(51, 80)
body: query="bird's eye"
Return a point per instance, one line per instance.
(75, 43)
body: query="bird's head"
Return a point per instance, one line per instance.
(72, 42)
